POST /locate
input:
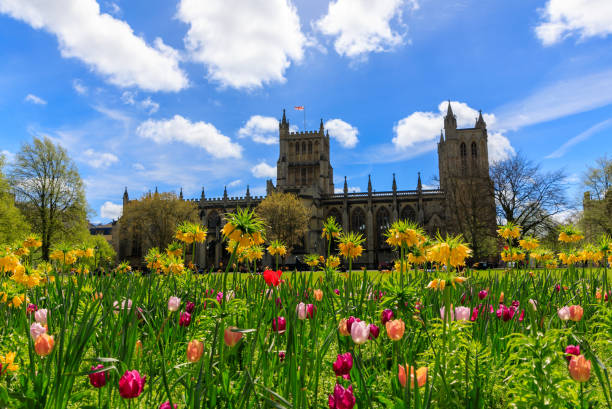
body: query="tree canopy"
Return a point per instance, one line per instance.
(597, 205)
(285, 216)
(13, 225)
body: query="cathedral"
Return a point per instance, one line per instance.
(462, 204)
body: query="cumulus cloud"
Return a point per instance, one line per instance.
(262, 129)
(421, 130)
(243, 44)
(583, 18)
(200, 134)
(35, 99)
(106, 44)
(263, 170)
(362, 26)
(98, 159)
(342, 131)
(110, 210)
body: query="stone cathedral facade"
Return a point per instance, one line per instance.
(304, 167)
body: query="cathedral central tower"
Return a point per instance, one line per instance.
(303, 160)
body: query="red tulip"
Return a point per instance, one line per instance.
(310, 310)
(185, 319)
(374, 331)
(131, 384)
(98, 379)
(272, 277)
(189, 307)
(342, 366)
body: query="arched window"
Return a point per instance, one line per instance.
(383, 222)
(310, 148)
(474, 155)
(408, 213)
(358, 221)
(297, 148)
(463, 151)
(303, 148)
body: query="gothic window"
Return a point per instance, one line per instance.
(303, 148)
(382, 225)
(408, 213)
(310, 148)
(316, 150)
(474, 155)
(358, 221)
(463, 158)
(214, 221)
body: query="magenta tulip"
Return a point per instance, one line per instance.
(98, 379)
(386, 315)
(342, 366)
(131, 384)
(341, 398)
(279, 324)
(374, 331)
(185, 319)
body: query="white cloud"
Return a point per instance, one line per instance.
(149, 105)
(129, 98)
(262, 129)
(200, 134)
(79, 87)
(263, 170)
(351, 189)
(243, 44)
(110, 210)
(582, 136)
(564, 97)
(98, 159)
(35, 99)
(106, 44)
(138, 166)
(233, 183)
(344, 132)
(584, 18)
(362, 26)
(420, 130)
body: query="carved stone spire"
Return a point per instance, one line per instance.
(202, 196)
(394, 186)
(225, 192)
(419, 185)
(369, 184)
(480, 123)
(321, 126)
(181, 194)
(345, 187)
(248, 192)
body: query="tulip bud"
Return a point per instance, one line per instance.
(41, 316)
(174, 303)
(395, 329)
(576, 312)
(98, 379)
(44, 344)
(580, 368)
(301, 311)
(189, 307)
(230, 337)
(195, 349)
(360, 331)
(374, 331)
(185, 319)
(386, 315)
(310, 310)
(131, 384)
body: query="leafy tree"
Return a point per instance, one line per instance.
(13, 225)
(597, 203)
(285, 216)
(526, 195)
(49, 191)
(151, 221)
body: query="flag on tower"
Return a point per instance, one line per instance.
(300, 108)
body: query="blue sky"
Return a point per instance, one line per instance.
(186, 93)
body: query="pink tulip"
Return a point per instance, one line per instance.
(166, 405)
(300, 310)
(189, 307)
(452, 313)
(174, 303)
(360, 331)
(41, 316)
(571, 350)
(564, 313)
(37, 330)
(482, 294)
(462, 313)
(310, 310)
(279, 324)
(350, 321)
(31, 308)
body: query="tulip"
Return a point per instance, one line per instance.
(452, 313)
(341, 398)
(230, 337)
(174, 303)
(421, 376)
(131, 384)
(474, 316)
(564, 313)
(318, 295)
(281, 355)
(534, 304)
(349, 323)
(166, 405)
(279, 324)
(125, 305)
(195, 349)
(189, 307)
(138, 347)
(338, 292)
(374, 331)
(31, 308)
(301, 311)
(482, 294)
(386, 315)
(501, 297)
(44, 344)
(272, 277)
(98, 379)
(580, 368)
(185, 319)
(505, 313)
(343, 327)
(219, 297)
(571, 350)
(522, 316)
(462, 313)
(342, 366)
(41, 316)
(360, 331)
(576, 312)
(310, 310)
(36, 330)
(395, 329)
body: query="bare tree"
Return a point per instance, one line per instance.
(526, 195)
(49, 190)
